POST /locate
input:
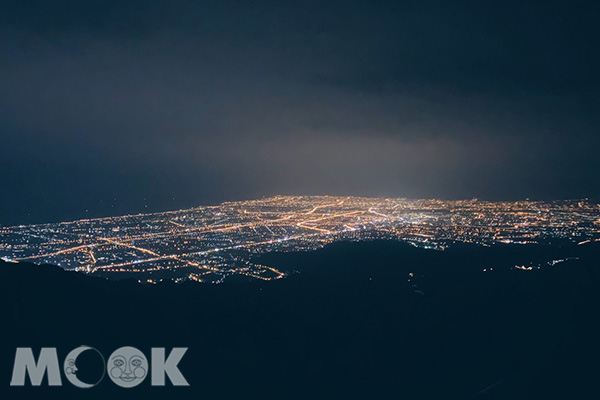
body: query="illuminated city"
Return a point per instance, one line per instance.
(212, 243)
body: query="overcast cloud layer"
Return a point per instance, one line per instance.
(116, 108)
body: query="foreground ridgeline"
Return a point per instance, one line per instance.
(209, 244)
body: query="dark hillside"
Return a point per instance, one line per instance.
(350, 322)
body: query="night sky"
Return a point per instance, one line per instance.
(112, 107)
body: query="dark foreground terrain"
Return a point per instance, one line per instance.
(358, 320)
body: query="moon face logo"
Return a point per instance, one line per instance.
(127, 367)
(70, 367)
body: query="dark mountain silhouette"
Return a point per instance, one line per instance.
(370, 320)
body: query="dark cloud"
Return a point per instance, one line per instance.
(173, 104)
